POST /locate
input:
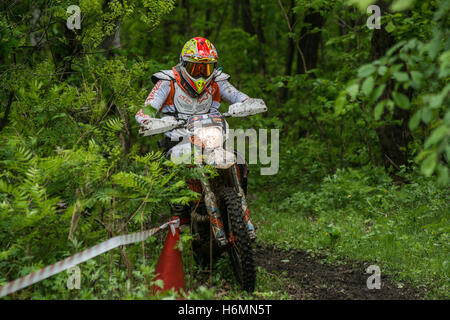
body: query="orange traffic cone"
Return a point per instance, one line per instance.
(170, 265)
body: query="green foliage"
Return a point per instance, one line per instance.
(74, 172)
(361, 215)
(68, 165)
(418, 66)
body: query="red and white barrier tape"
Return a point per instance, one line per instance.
(83, 256)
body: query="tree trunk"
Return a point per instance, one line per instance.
(208, 30)
(261, 43)
(394, 138)
(113, 41)
(222, 19)
(187, 25)
(167, 32)
(249, 27)
(309, 42)
(247, 19)
(289, 53)
(4, 120)
(236, 5)
(68, 53)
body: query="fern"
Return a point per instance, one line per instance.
(149, 158)
(23, 154)
(113, 124)
(132, 180)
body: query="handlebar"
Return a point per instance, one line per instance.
(241, 109)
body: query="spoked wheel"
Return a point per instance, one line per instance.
(240, 246)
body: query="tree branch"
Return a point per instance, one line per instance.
(286, 17)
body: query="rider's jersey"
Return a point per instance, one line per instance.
(171, 95)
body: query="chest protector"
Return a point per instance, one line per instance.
(183, 97)
(184, 103)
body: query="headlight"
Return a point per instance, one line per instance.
(211, 137)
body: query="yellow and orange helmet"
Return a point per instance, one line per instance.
(198, 61)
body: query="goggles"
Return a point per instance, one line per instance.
(197, 70)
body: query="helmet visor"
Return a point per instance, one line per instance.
(197, 70)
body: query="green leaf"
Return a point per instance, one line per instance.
(366, 70)
(401, 76)
(341, 101)
(390, 27)
(379, 109)
(434, 46)
(401, 100)
(377, 93)
(353, 90)
(442, 175)
(427, 114)
(444, 60)
(447, 118)
(362, 4)
(401, 5)
(437, 135)
(368, 85)
(429, 164)
(422, 155)
(436, 100)
(414, 121)
(147, 110)
(382, 70)
(417, 78)
(447, 152)
(395, 48)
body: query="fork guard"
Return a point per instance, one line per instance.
(246, 211)
(214, 213)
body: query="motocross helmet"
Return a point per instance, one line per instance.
(198, 61)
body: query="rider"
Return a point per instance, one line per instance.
(194, 86)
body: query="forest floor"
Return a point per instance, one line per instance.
(297, 275)
(311, 277)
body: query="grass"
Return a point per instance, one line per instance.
(356, 214)
(404, 230)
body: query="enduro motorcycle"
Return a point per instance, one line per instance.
(222, 210)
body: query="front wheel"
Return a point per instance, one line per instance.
(240, 244)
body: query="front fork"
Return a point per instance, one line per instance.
(250, 227)
(213, 212)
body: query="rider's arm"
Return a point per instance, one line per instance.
(230, 94)
(155, 100)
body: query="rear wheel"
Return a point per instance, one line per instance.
(240, 247)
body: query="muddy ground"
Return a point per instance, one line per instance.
(313, 278)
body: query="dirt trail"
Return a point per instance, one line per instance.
(312, 278)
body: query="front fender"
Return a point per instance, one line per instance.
(220, 158)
